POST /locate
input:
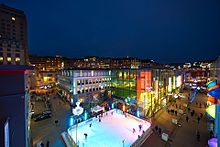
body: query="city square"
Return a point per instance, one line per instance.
(109, 73)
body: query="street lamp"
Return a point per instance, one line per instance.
(77, 111)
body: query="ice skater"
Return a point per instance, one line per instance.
(112, 112)
(133, 130)
(140, 127)
(90, 125)
(85, 135)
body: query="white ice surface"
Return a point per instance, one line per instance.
(110, 132)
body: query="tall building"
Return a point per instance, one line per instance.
(86, 86)
(13, 36)
(14, 105)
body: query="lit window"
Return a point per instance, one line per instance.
(13, 18)
(17, 59)
(1, 59)
(9, 59)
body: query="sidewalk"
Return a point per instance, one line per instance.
(182, 136)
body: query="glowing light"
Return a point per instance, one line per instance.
(211, 83)
(13, 18)
(211, 111)
(138, 113)
(85, 115)
(112, 105)
(178, 81)
(71, 121)
(123, 108)
(170, 85)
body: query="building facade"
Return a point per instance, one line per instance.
(149, 88)
(13, 36)
(86, 86)
(14, 105)
(46, 68)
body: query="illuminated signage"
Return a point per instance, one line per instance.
(211, 111)
(178, 81)
(211, 83)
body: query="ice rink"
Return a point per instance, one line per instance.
(110, 132)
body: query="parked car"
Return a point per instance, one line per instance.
(42, 117)
(33, 116)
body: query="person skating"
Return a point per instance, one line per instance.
(133, 130)
(140, 128)
(85, 135)
(90, 125)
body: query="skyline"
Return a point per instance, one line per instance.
(151, 30)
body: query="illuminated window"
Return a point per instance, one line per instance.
(13, 18)
(1, 59)
(17, 59)
(9, 59)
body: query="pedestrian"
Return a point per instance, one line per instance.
(99, 119)
(133, 130)
(48, 143)
(198, 136)
(175, 112)
(139, 136)
(159, 130)
(90, 125)
(187, 118)
(201, 115)
(211, 134)
(189, 109)
(42, 144)
(198, 119)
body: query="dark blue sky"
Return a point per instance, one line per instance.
(163, 30)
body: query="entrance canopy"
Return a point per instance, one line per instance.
(97, 109)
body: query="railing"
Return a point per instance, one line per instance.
(68, 140)
(142, 138)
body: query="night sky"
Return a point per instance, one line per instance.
(164, 30)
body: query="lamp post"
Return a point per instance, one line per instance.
(77, 111)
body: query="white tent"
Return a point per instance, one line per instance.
(97, 109)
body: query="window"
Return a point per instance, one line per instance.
(17, 59)
(9, 59)
(9, 54)
(17, 55)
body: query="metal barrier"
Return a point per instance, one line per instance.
(142, 138)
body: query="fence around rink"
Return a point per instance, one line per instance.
(137, 143)
(142, 138)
